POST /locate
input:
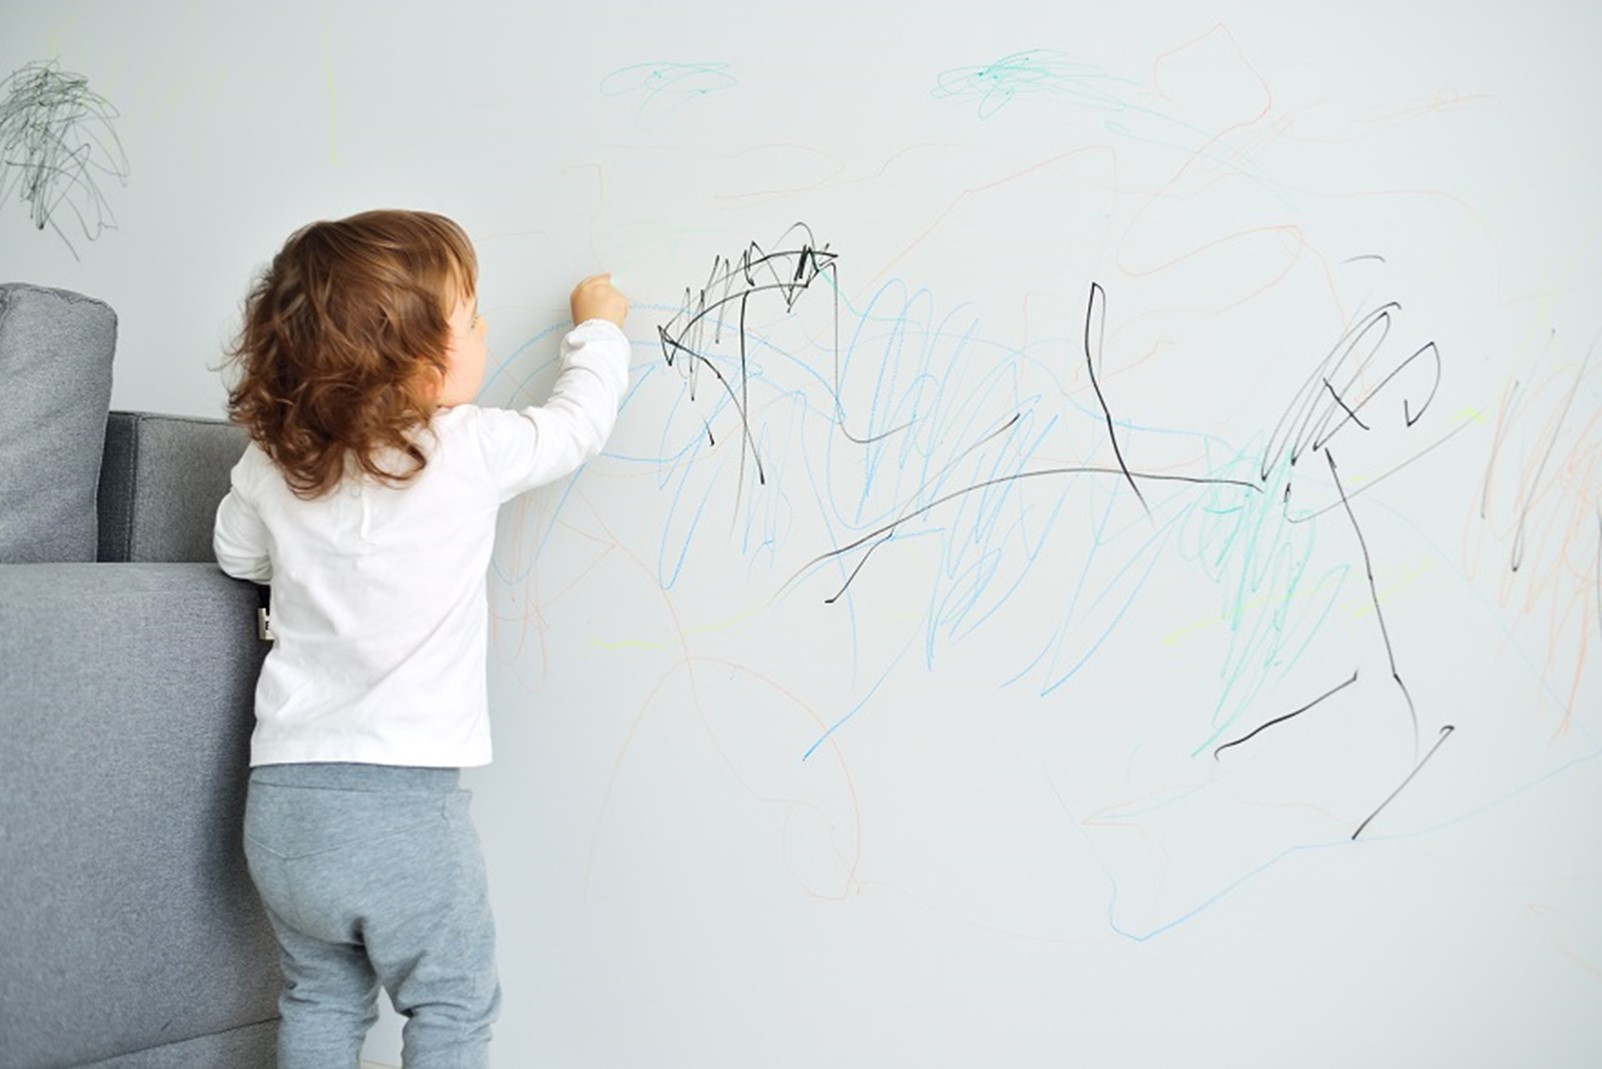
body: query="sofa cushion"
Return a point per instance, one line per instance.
(55, 363)
(160, 484)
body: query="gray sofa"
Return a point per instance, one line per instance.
(130, 935)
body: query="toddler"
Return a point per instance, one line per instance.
(367, 500)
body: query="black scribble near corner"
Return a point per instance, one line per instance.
(1446, 733)
(1096, 322)
(1034, 473)
(1287, 716)
(1312, 421)
(56, 141)
(1373, 591)
(789, 271)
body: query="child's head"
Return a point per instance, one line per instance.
(349, 342)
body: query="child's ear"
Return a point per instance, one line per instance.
(427, 382)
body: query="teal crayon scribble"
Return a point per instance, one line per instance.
(1052, 74)
(664, 88)
(1033, 72)
(1260, 560)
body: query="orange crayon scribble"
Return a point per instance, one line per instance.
(1442, 101)
(1540, 515)
(1554, 921)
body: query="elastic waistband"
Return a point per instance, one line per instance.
(335, 775)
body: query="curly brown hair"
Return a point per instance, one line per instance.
(343, 334)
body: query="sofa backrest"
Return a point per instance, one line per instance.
(160, 484)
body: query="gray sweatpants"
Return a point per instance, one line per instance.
(373, 874)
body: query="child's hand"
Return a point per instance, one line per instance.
(595, 298)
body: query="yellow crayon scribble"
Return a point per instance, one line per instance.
(328, 71)
(626, 644)
(1210, 621)
(1366, 606)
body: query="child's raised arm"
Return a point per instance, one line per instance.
(542, 443)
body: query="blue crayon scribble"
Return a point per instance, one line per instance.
(904, 426)
(888, 453)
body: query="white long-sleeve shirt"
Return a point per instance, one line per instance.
(379, 599)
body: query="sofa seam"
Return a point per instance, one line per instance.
(125, 537)
(185, 1039)
(173, 418)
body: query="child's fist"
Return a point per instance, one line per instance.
(596, 298)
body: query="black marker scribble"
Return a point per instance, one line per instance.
(1445, 732)
(889, 528)
(1281, 719)
(56, 136)
(1094, 322)
(838, 594)
(1338, 400)
(1373, 592)
(1322, 407)
(1370, 484)
(788, 271)
(1097, 312)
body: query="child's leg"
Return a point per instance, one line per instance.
(362, 864)
(439, 965)
(329, 1001)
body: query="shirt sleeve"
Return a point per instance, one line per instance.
(239, 538)
(536, 445)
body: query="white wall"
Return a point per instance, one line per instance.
(969, 812)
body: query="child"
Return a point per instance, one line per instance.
(367, 499)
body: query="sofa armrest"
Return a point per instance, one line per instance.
(126, 706)
(160, 481)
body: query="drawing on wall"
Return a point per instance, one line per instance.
(1014, 496)
(1540, 506)
(962, 515)
(1038, 71)
(58, 143)
(1106, 514)
(663, 88)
